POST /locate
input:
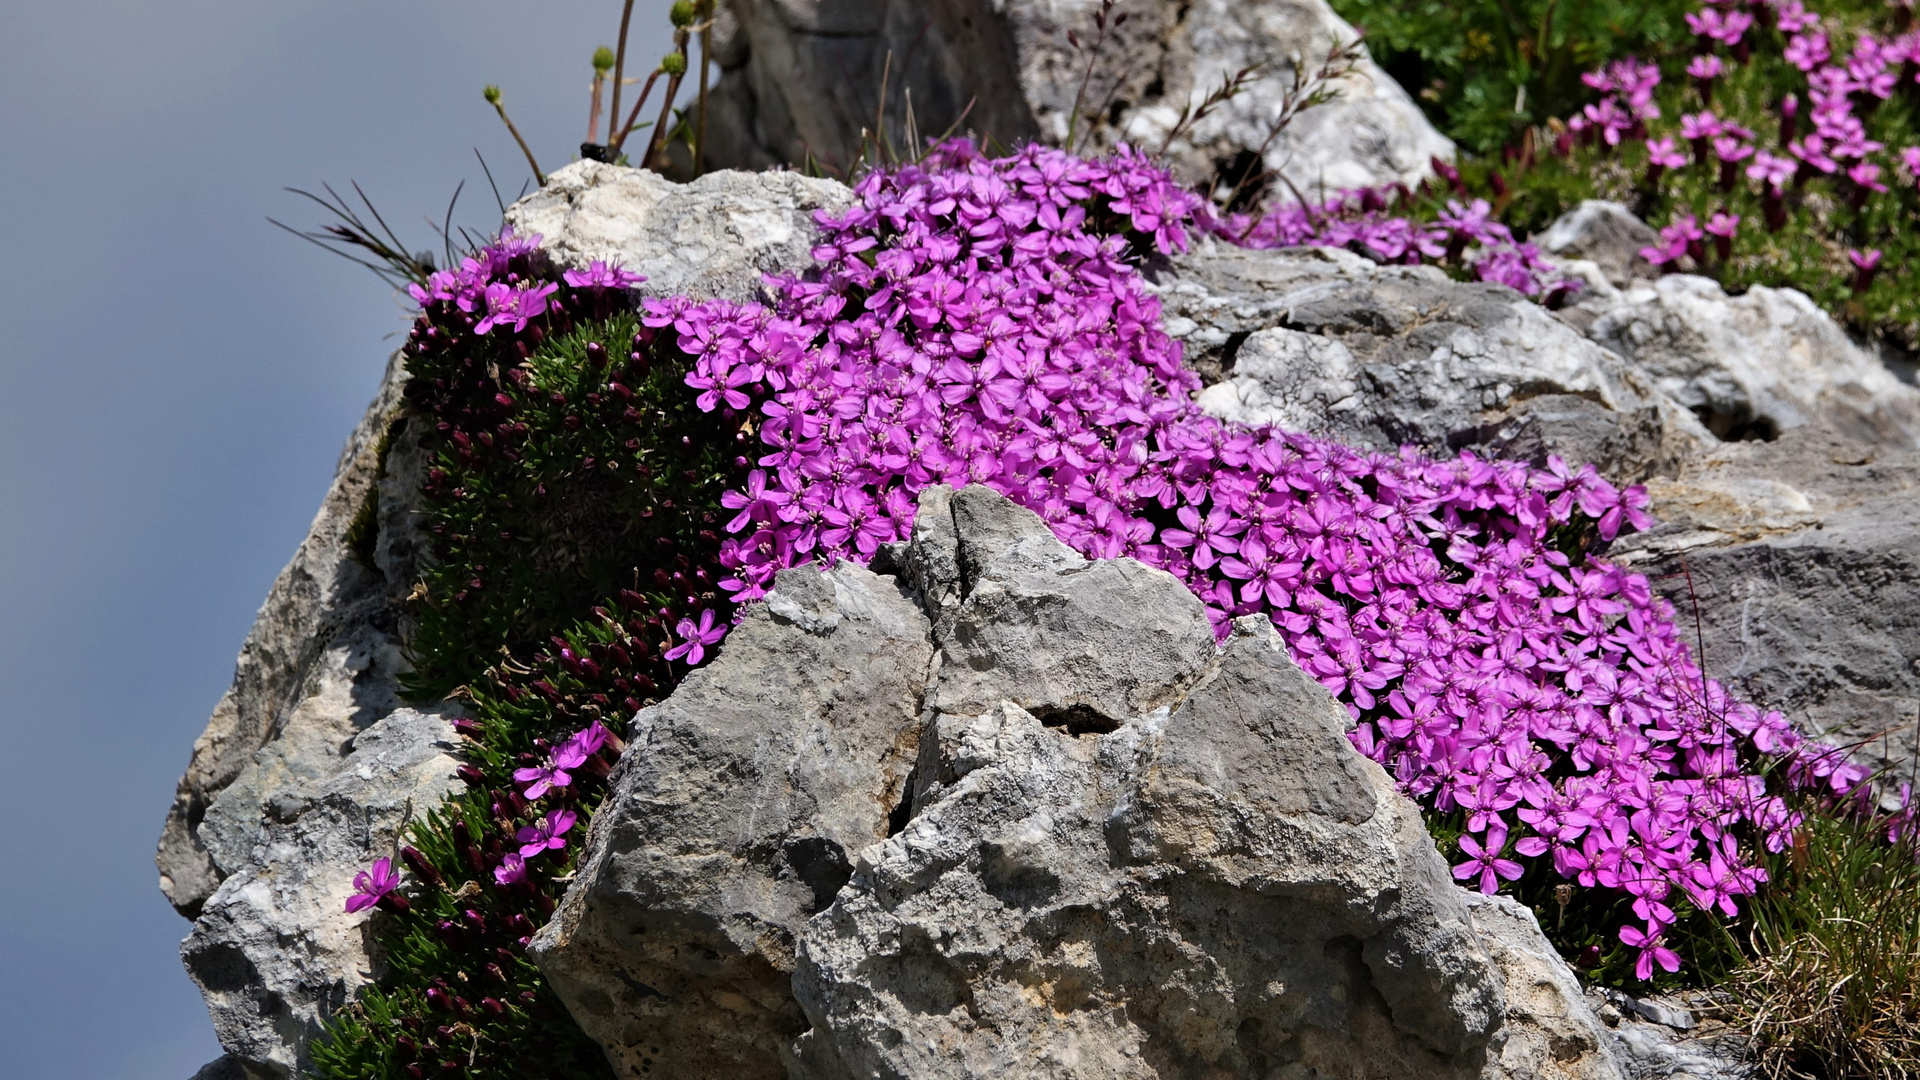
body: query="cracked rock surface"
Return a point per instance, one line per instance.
(244, 850)
(1011, 812)
(801, 78)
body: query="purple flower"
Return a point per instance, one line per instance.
(599, 274)
(546, 834)
(1663, 153)
(372, 886)
(507, 304)
(695, 639)
(512, 869)
(1651, 951)
(1484, 862)
(1705, 68)
(1808, 51)
(1771, 170)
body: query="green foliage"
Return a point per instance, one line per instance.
(572, 506)
(1825, 968)
(1467, 61)
(600, 476)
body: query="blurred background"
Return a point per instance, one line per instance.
(177, 377)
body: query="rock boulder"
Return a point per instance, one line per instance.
(802, 79)
(1067, 836)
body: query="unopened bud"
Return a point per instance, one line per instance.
(603, 59)
(682, 14)
(673, 64)
(492, 94)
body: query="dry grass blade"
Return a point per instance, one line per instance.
(1831, 990)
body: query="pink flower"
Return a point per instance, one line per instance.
(694, 639)
(1867, 175)
(600, 275)
(545, 835)
(376, 886)
(512, 869)
(1663, 153)
(1705, 68)
(1808, 51)
(1483, 860)
(1771, 169)
(1651, 951)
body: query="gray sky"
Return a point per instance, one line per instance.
(176, 379)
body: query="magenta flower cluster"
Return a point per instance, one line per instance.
(970, 322)
(1364, 222)
(981, 321)
(1841, 91)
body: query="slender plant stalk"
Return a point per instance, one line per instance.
(620, 73)
(615, 143)
(700, 126)
(593, 113)
(1079, 99)
(657, 138)
(882, 149)
(493, 98)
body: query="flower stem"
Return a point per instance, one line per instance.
(499, 106)
(619, 75)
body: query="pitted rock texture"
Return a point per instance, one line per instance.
(715, 237)
(1074, 845)
(803, 78)
(1755, 365)
(320, 666)
(733, 818)
(1325, 342)
(1605, 234)
(1551, 1033)
(1802, 559)
(272, 951)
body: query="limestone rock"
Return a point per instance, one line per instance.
(803, 78)
(318, 666)
(1755, 365)
(1119, 853)
(1328, 343)
(1552, 1032)
(715, 237)
(273, 950)
(1605, 234)
(1802, 559)
(1088, 643)
(733, 817)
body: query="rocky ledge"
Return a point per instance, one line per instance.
(1005, 811)
(1781, 458)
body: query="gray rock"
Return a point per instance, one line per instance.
(1331, 344)
(273, 951)
(1652, 1049)
(1552, 1031)
(318, 666)
(733, 817)
(1755, 365)
(715, 237)
(802, 79)
(1801, 558)
(1179, 866)
(1605, 234)
(1077, 642)
(224, 1067)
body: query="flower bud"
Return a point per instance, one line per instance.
(603, 59)
(421, 867)
(673, 64)
(682, 13)
(492, 94)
